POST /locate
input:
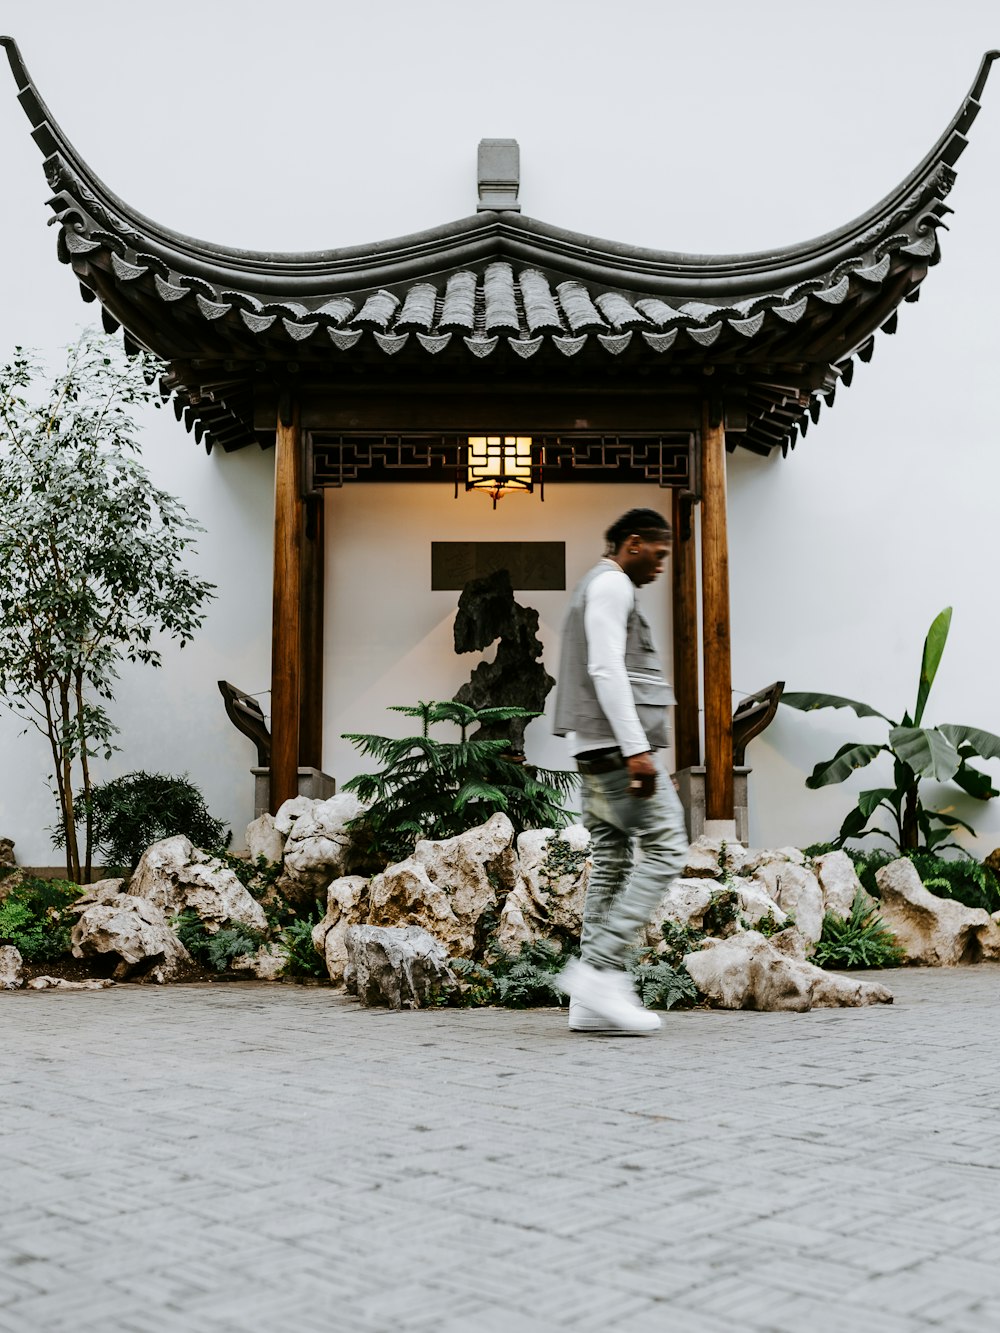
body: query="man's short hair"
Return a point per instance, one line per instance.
(645, 523)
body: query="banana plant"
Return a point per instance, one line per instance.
(918, 752)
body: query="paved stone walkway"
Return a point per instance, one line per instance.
(234, 1158)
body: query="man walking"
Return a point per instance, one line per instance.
(612, 697)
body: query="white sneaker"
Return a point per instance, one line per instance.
(604, 1002)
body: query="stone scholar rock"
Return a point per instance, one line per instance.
(135, 932)
(318, 846)
(749, 971)
(175, 876)
(61, 983)
(447, 886)
(932, 930)
(402, 967)
(10, 967)
(346, 906)
(547, 898)
(797, 891)
(839, 882)
(264, 838)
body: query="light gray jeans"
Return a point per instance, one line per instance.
(622, 896)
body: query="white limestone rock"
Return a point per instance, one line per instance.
(447, 886)
(551, 886)
(346, 906)
(176, 876)
(61, 983)
(401, 967)
(11, 977)
(749, 971)
(839, 882)
(266, 964)
(263, 838)
(685, 903)
(756, 903)
(134, 930)
(289, 811)
(796, 890)
(319, 844)
(101, 891)
(936, 931)
(704, 858)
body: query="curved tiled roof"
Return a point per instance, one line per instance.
(499, 289)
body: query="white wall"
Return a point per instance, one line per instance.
(711, 128)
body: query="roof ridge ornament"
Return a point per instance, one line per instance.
(498, 176)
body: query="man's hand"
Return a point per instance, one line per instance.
(642, 772)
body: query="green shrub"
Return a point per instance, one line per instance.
(217, 950)
(303, 960)
(518, 981)
(130, 813)
(860, 940)
(964, 879)
(436, 789)
(34, 919)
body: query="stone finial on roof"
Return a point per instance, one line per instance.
(499, 175)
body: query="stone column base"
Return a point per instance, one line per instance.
(314, 783)
(691, 789)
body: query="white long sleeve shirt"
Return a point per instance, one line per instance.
(609, 603)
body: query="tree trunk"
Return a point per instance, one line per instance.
(88, 826)
(910, 832)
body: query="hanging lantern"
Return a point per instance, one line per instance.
(498, 464)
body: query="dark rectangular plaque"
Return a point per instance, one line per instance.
(531, 565)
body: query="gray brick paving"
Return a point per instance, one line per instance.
(235, 1158)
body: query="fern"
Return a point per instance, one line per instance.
(429, 788)
(662, 986)
(860, 940)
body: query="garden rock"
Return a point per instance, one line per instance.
(685, 903)
(175, 876)
(135, 932)
(839, 882)
(931, 930)
(318, 846)
(101, 891)
(797, 891)
(756, 903)
(346, 906)
(267, 964)
(547, 899)
(10, 967)
(263, 838)
(704, 858)
(62, 983)
(289, 811)
(402, 967)
(748, 971)
(447, 886)
(7, 857)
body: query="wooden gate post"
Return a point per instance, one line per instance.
(286, 632)
(313, 583)
(684, 588)
(715, 618)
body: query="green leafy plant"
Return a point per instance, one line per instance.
(517, 981)
(428, 788)
(662, 985)
(130, 813)
(917, 752)
(296, 938)
(35, 920)
(215, 950)
(92, 559)
(859, 940)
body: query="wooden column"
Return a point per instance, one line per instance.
(684, 577)
(286, 633)
(311, 690)
(715, 618)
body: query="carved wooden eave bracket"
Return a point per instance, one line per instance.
(499, 292)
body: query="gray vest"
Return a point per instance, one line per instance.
(577, 707)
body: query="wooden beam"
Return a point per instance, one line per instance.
(286, 635)
(715, 619)
(684, 575)
(311, 693)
